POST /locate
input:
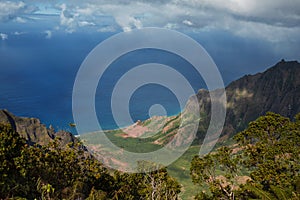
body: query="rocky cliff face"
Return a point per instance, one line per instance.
(276, 90)
(33, 130)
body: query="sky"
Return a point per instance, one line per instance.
(44, 42)
(236, 33)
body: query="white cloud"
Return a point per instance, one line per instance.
(48, 34)
(260, 18)
(273, 12)
(266, 32)
(187, 22)
(126, 16)
(72, 17)
(3, 36)
(67, 19)
(171, 26)
(197, 14)
(88, 10)
(20, 20)
(107, 29)
(86, 23)
(9, 9)
(128, 22)
(14, 10)
(19, 33)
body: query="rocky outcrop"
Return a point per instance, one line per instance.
(276, 90)
(33, 130)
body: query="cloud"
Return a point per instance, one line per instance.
(128, 22)
(20, 20)
(3, 36)
(247, 18)
(67, 19)
(86, 23)
(48, 34)
(11, 10)
(106, 29)
(19, 33)
(92, 14)
(231, 15)
(72, 17)
(171, 26)
(87, 10)
(187, 22)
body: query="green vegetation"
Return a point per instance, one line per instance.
(54, 172)
(268, 149)
(261, 162)
(180, 170)
(137, 145)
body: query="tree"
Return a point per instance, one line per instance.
(48, 172)
(68, 172)
(272, 152)
(216, 171)
(11, 145)
(152, 182)
(268, 149)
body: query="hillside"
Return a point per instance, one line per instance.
(277, 90)
(34, 131)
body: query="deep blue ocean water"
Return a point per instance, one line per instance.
(37, 76)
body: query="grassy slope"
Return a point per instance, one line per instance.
(180, 169)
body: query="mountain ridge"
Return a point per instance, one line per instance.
(34, 131)
(277, 89)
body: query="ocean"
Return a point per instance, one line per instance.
(37, 77)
